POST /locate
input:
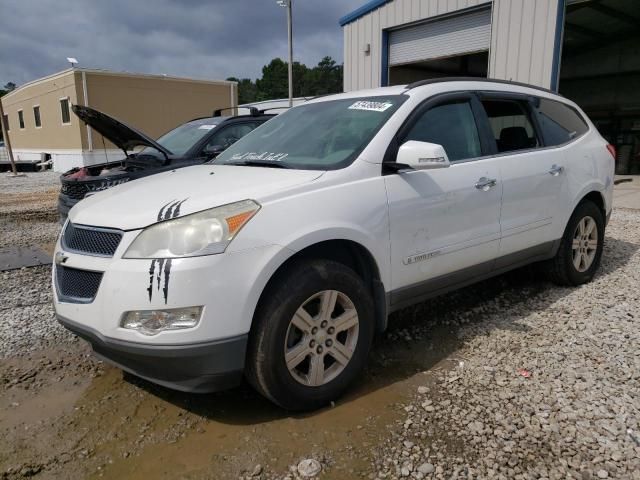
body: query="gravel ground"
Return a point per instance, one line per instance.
(30, 198)
(27, 319)
(28, 218)
(29, 183)
(546, 385)
(526, 380)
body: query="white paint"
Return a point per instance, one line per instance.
(438, 210)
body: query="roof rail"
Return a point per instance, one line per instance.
(263, 110)
(431, 81)
(253, 111)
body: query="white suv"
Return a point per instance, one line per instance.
(281, 260)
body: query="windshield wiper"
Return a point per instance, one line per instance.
(259, 163)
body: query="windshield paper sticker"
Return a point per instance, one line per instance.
(371, 106)
(265, 156)
(206, 127)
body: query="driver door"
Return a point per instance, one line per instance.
(445, 223)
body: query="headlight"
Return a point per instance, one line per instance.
(203, 233)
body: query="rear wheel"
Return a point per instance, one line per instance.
(580, 250)
(311, 335)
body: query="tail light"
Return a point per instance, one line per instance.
(612, 150)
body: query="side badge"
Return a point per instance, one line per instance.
(420, 257)
(60, 258)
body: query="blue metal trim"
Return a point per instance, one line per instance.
(557, 47)
(361, 11)
(384, 66)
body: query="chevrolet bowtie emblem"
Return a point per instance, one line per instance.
(60, 258)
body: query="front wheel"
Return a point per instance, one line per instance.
(580, 250)
(311, 336)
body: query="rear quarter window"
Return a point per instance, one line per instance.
(559, 122)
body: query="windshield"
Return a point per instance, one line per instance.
(318, 136)
(179, 140)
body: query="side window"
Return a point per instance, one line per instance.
(559, 122)
(451, 125)
(511, 125)
(64, 111)
(229, 135)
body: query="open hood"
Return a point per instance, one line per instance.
(121, 135)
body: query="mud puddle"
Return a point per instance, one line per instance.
(117, 426)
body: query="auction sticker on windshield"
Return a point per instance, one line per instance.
(371, 106)
(267, 156)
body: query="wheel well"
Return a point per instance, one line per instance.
(352, 255)
(596, 197)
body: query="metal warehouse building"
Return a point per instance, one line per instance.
(589, 50)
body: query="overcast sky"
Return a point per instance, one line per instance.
(211, 39)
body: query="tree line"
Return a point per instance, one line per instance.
(324, 78)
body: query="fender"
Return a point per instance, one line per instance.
(593, 186)
(308, 239)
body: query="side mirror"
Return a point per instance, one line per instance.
(213, 150)
(414, 155)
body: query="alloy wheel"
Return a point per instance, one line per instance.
(585, 244)
(321, 338)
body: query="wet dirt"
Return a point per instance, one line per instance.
(67, 415)
(30, 206)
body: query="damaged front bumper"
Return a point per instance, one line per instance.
(196, 368)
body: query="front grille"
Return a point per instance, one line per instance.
(75, 190)
(75, 285)
(91, 240)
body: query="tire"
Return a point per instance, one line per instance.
(305, 286)
(563, 268)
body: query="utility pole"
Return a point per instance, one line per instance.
(287, 5)
(290, 28)
(7, 141)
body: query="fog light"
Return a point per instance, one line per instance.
(152, 322)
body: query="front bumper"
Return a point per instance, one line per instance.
(197, 368)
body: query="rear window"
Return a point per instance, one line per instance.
(559, 123)
(511, 126)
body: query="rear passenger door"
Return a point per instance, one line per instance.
(532, 177)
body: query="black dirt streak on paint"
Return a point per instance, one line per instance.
(160, 264)
(167, 273)
(168, 211)
(161, 212)
(151, 271)
(176, 212)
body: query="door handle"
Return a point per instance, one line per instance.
(556, 170)
(485, 183)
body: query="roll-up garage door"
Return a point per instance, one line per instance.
(466, 33)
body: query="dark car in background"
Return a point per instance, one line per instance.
(191, 143)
